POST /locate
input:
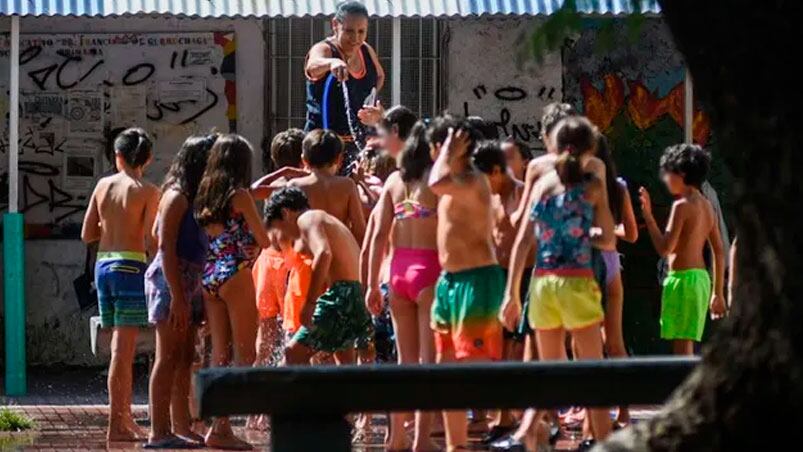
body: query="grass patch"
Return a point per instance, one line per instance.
(11, 421)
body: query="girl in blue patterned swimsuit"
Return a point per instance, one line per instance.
(225, 209)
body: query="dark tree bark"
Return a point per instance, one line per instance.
(747, 394)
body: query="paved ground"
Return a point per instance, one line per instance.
(68, 406)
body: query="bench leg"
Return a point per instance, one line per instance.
(313, 432)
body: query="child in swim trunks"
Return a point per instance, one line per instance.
(336, 195)
(564, 295)
(120, 216)
(469, 292)
(332, 319)
(175, 297)
(226, 210)
(692, 224)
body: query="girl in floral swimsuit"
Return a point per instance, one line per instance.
(225, 209)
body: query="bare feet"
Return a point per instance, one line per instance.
(226, 442)
(130, 424)
(122, 433)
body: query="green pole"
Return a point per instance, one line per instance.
(14, 298)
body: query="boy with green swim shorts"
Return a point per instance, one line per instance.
(692, 225)
(333, 319)
(469, 293)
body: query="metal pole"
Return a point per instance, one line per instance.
(688, 109)
(13, 238)
(395, 63)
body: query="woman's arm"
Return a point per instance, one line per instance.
(380, 71)
(243, 202)
(320, 63)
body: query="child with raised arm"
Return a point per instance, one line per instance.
(175, 297)
(692, 224)
(470, 289)
(227, 212)
(337, 195)
(333, 318)
(564, 295)
(120, 216)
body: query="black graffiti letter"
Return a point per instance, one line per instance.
(510, 93)
(147, 67)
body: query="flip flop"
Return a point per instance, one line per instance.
(172, 442)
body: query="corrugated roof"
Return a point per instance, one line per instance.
(298, 8)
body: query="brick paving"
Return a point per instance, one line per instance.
(68, 407)
(83, 427)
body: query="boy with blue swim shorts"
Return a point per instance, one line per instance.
(120, 217)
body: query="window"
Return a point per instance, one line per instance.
(290, 39)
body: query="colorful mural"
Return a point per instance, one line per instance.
(634, 93)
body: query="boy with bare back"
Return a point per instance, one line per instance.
(469, 292)
(334, 316)
(692, 224)
(120, 216)
(322, 152)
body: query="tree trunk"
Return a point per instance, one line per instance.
(748, 389)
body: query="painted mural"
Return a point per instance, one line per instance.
(78, 90)
(634, 93)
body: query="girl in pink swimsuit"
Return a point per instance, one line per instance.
(406, 215)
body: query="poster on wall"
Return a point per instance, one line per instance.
(85, 114)
(40, 107)
(80, 165)
(78, 90)
(182, 90)
(128, 106)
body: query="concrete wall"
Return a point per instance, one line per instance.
(57, 326)
(491, 75)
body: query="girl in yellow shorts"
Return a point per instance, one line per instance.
(564, 295)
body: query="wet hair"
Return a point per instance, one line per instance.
(108, 150)
(285, 149)
(292, 198)
(415, 159)
(135, 146)
(438, 128)
(616, 192)
(489, 155)
(688, 160)
(188, 166)
(348, 8)
(521, 147)
(553, 113)
(574, 136)
(484, 129)
(228, 169)
(401, 117)
(321, 148)
(382, 166)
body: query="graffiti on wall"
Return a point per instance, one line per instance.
(485, 79)
(78, 90)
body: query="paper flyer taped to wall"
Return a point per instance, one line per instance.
(80, 165)
(85, 113)
(129, 106)
(182, 90)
